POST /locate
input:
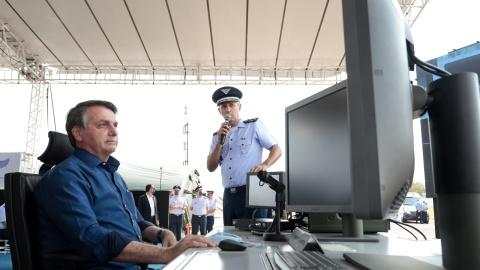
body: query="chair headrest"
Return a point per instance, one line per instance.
(58, 148)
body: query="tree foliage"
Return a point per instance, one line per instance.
(418, 188)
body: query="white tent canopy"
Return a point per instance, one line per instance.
(179, 41)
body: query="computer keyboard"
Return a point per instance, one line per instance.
(303, 260)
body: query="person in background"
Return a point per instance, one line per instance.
(3, 223)
(423, 217)
(418, 207)
(84, 205)
(199, 208)
(147, 205)
(176, 206)
(212, 207)
(240, 153)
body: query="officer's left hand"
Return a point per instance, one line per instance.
(260, 167)
(168, 239)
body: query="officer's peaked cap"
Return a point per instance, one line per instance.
(226, 93)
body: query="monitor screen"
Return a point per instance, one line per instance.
(259, 194)
(317, 153)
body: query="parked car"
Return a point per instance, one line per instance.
(409, 207)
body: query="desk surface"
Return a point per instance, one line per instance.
(391, 243)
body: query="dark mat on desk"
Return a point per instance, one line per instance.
(390, 262)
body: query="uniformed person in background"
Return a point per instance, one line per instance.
(241, 153)
(176, 206)
(212, 207)
(199, 208)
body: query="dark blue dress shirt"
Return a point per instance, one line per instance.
(84, 205)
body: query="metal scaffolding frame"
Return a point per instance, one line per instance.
(196, 75)
(411, 9)
(25, 67)
(34, 126)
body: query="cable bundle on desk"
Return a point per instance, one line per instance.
(400, 225)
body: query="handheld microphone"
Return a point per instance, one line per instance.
(227, 121)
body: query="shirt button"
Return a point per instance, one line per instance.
(230, 178)
(230, 148)
(230, 168)
(230, 158)
(104, 163)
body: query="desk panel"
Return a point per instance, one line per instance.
(391, 243)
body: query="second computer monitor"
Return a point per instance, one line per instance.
(318, 153)
(259, 194)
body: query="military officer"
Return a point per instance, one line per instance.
(240, 153)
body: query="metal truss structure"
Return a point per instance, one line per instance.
(25, 67)
(184, 75)
(411, 9)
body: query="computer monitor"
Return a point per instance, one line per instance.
(259, 194)
(380, 106)
(349, 148)
(317, 153)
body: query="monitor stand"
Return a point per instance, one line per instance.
(352, 229)
(277, 235)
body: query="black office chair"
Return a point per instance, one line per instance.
(21, 212)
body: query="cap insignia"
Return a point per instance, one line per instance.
(226, 90)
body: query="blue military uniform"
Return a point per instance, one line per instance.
(212, 204)
(418, 207)
(423, 217)
(241, 151)
(199, 208)
(175, 222)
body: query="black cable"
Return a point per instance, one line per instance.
(48, 123)
(53, 108)
(398, 223)
(254, 212)
(407, 231)
(429, 67)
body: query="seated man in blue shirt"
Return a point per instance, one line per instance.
(84, 205)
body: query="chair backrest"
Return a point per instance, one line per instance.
(21, 217)
(58, 149)
(20, 205)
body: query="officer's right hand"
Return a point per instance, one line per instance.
(224, 129)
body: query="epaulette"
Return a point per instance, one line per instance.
(215, 134)
(250, 120)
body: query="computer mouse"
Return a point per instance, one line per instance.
(231, 245)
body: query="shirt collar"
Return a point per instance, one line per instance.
(93, 161)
